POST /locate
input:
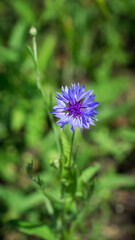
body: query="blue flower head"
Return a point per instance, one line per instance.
(76, 107)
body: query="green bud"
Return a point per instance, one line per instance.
(33, 31)
(55, 163)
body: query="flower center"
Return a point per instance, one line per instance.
(74, 109)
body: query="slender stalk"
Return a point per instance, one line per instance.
(71, 149)
(63, 201)
(63, 213)
(39, 85)
(36, 66)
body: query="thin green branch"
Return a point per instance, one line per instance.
(34, 55)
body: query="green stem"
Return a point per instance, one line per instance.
(63, 202)
(39, 85)
(63, 213)
(71, 150)
(36, 66)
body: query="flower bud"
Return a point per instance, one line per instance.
(33, 31)
(55, 163)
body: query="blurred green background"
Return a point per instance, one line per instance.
(86, 41)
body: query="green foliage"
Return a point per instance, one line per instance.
(89, 172)
(37, 229)
(46, 51)
(18, 202)
(91, 42)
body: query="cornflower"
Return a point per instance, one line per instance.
(76, 107)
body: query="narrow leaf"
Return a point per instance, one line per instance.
(89, 173)
(35, 229)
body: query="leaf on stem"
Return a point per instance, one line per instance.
(35, 229)
(89, 173)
